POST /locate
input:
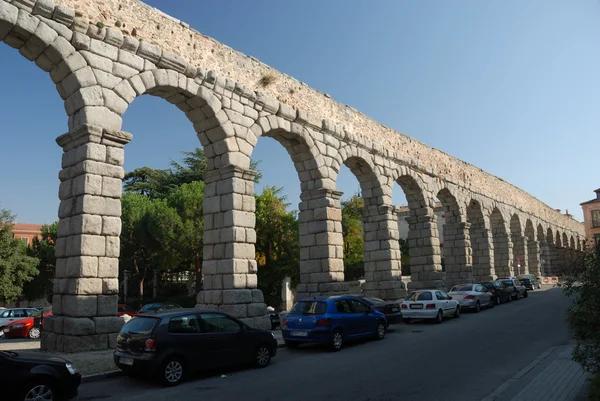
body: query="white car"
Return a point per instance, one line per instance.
(429, 304)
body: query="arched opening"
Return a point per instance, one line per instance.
(519, 242)
(481, 245)
(455, 241)
(502, 251)
(533, 250)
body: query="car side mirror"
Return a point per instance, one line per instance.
(449, 297)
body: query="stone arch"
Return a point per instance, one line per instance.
(456, 253)
(481, 242)
(541, 237)
(502, 244)
(375, 191)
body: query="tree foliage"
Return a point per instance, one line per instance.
(583, 284)
(16, 267)
(42, 248)
(352, 231)
(277, 244)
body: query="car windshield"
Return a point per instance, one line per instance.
(462, 288)
(139, 325)
(507, 282)
(488, 285)
(41, 312)
(309, 308)
(419, 296)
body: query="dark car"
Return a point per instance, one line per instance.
(172, 344)
(500, 293)
(35, 376)
(391, 310)
(123, 309)
(332, 320)
(275, 321)
(530, 281)
(158, 307)
(516, 289)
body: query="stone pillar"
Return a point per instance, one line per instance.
(287, 297)
(424, 251)
(383, 277)
(503, 253)
(321, 244)
(483, 254)
(548, 256)
(458, 254)
(561, 261)
(86, 287)
(533, 257)
(229, 266)
(520, 251)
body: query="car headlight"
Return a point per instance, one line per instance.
(71, 368)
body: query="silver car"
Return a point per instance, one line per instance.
(472, 296)
(8, 315)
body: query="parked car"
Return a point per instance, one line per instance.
(171, 344)
(332, 320)
(429, 304)
(530, 281)
(158, 307)
(275, 320)
(123, 309)
(12, 314)
(500, 293)
(472, 296)
(516, 289)
(29, 327)
(390, 309)
(35, 376)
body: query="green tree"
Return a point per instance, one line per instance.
(42, 249)
(405, 258)
(277, 243)
(352, 231)
(16, 267)
(583, 284)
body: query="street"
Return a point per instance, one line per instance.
(461, 359)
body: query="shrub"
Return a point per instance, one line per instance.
(594, 390)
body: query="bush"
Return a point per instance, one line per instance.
(583, 282)
(594, 393)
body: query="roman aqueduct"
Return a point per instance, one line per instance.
(103, 55)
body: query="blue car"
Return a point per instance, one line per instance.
(332, 320)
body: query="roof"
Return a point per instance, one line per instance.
(591, 201)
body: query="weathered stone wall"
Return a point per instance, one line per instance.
(155, 27)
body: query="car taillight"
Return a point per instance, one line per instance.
(470, 297)
(430, 306)
(283, 321)
(493, 291)
(323, 322)
(404, 306)
(150, 345)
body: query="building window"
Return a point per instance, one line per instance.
(596, 239)
(26, 240)
(596, 218)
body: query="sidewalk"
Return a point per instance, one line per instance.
(553, 376)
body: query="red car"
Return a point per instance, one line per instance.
(123, 309)
(29, 327)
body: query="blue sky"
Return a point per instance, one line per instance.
(512, 87)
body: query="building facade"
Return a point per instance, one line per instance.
(591, 219)
(27, 232)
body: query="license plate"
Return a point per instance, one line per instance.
(394, 309)
(299, 333)
(126, 361)
(6, 329)
(416, 306)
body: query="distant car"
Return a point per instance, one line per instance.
(472, 296)
(500, 293)
(29, 327)
(275, 320)
(429, 304)
(530, 281)
(173, 343)
(12, 314)
(516, 289)
(159, 307)
(123, 309)
(391, 309)
(332, 320)
(36, 376)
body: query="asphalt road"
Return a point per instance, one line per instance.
(462, 359)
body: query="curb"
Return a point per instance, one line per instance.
(493, 396)
(101, 376)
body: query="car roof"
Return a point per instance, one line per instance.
(179, 311)
(325, 298)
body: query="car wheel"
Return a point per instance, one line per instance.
(477, 307)
(457, 312)
(509, 298)
(172, 371)
(39, 391)
(439, 317)
(406, 320)
(291, 344)
(1, 332)
(337, 340)
(491, 304)
(539, 286)
(380, 331)
(262, 356)
(518, 296)
(34, 333)
(525, 295)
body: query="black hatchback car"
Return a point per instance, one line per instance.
(35, 376)
(500, 292)
(172, 344)
(391, 310)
